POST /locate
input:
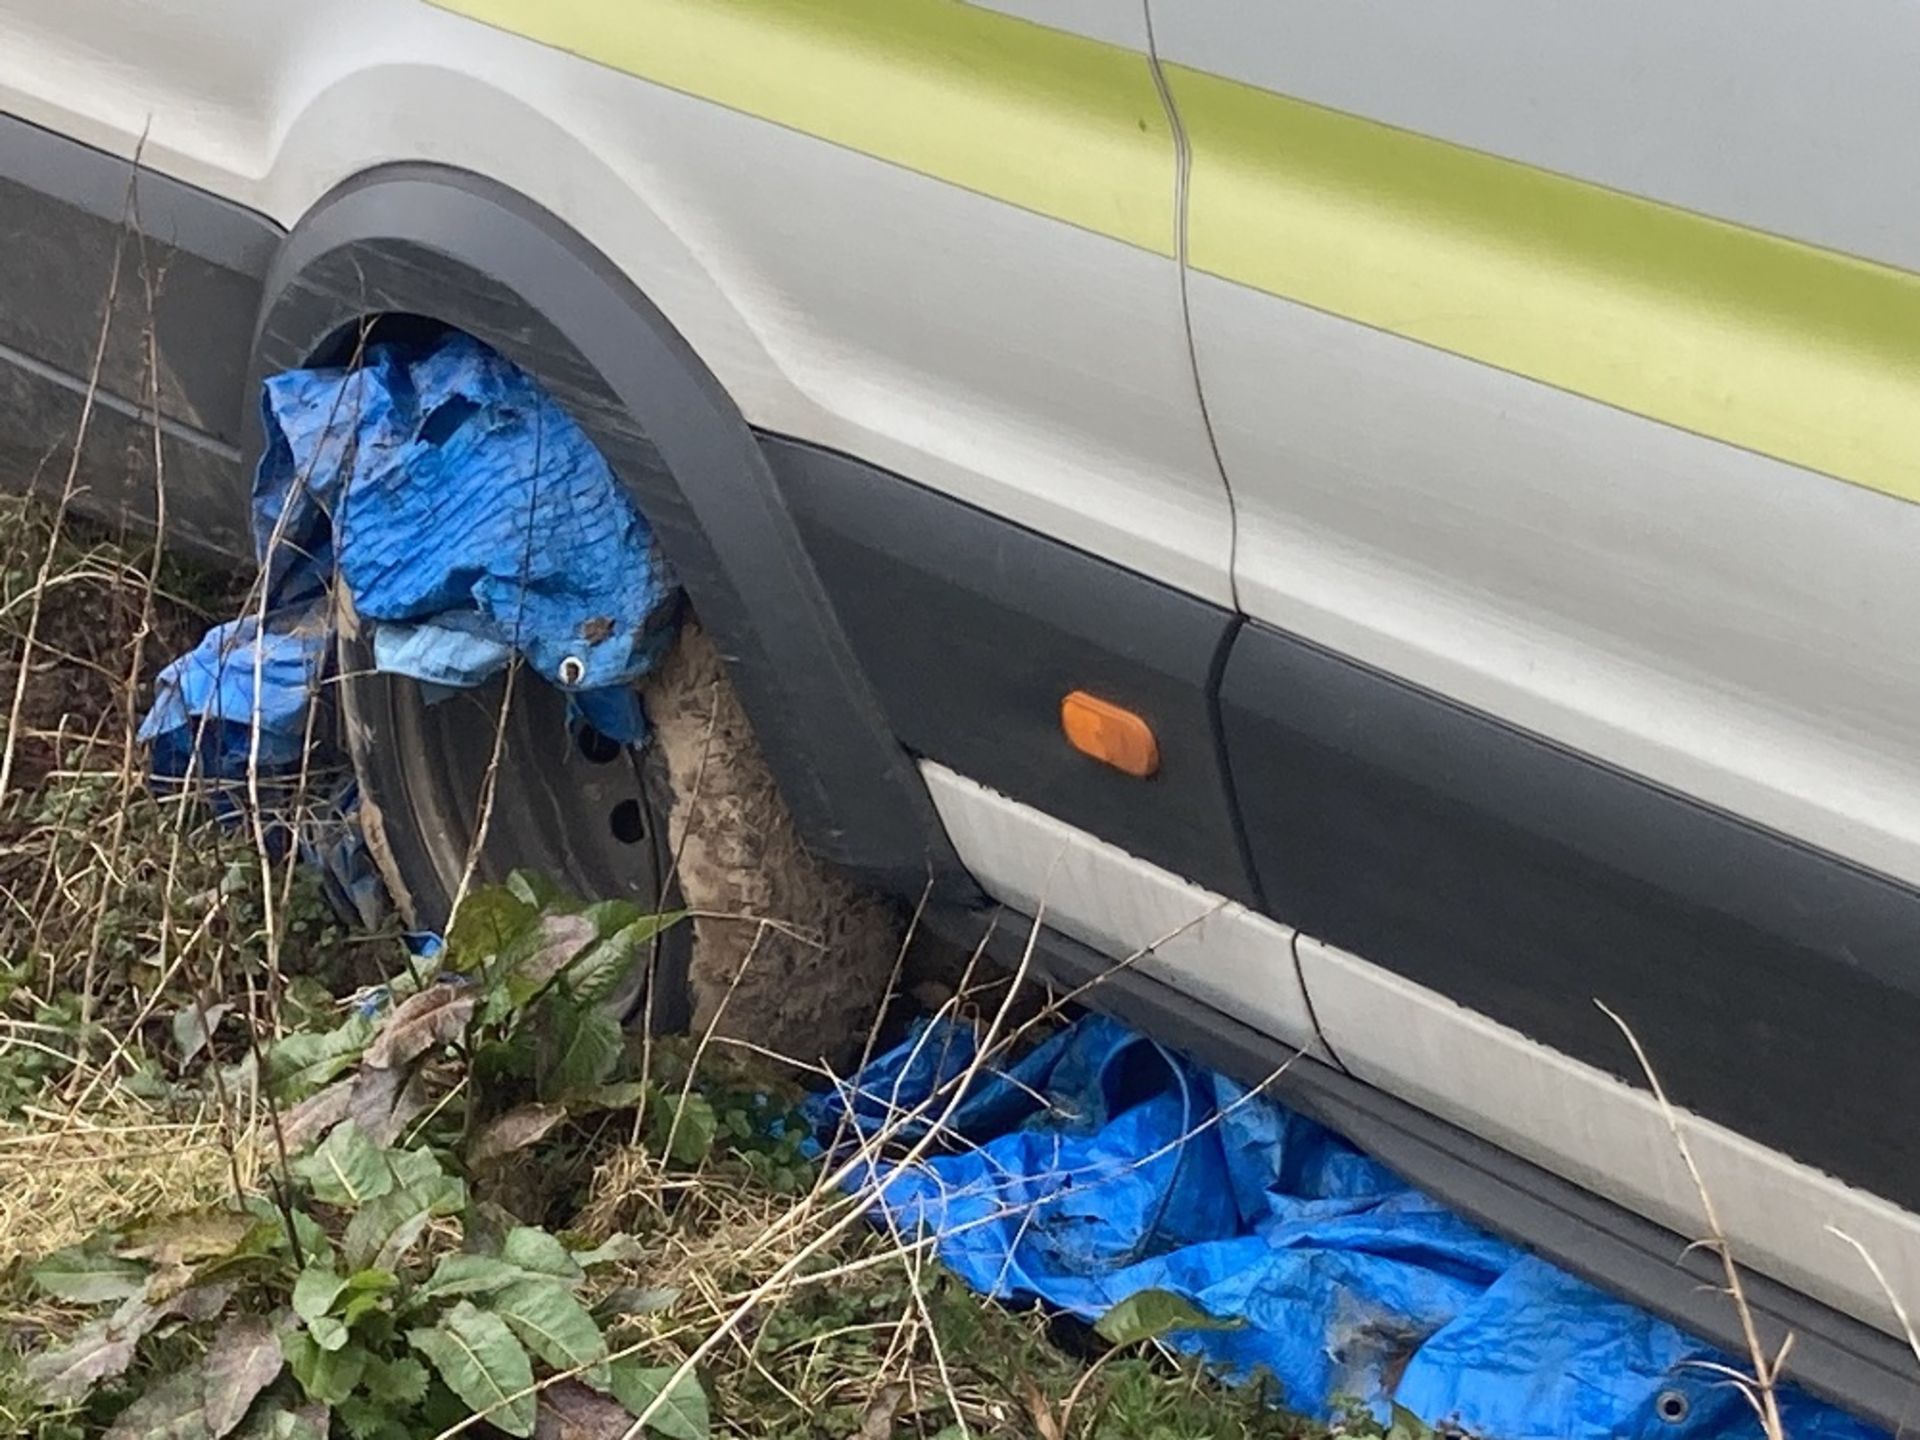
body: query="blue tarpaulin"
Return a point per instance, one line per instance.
(1101, 1165)
(468, 518)
(204, 698)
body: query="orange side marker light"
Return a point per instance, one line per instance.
(1109, 734)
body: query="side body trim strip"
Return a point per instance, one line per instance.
(1853, 1364)
(1775, 987)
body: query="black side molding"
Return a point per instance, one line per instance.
(1776, 988)
(461, 250)
(971, 629)
(65, 210)
(1834, 1355)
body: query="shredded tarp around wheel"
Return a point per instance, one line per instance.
(1102, 1165)
(437, 499)
(467, 518)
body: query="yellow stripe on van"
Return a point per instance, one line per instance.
(1796, 352)
(1069, 127)
(1783, 348)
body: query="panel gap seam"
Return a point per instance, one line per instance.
(1182, 172)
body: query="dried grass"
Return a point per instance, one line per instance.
(65, 1176)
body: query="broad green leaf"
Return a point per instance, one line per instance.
(445, 1195)
(534, 1249)
(1153, 1313)
(305, 1061)
(314, 1244)
(555, 1326)
(581, 1048)
(381, 1232)
(537, 889)
(685, 1126)
(682, 1415)
(621, 1095)
(347, 1169)
(419, 1176)
(366, 1292)
(599, 971)
(403, 1238)
(443, 1411)
(532, 961)
(307, 1002)
(358, 1305)
(615, 1249)
(482, 1363)
(244, 1359)
(329, 1332)
(88, 1277)
(172, 1410)
(513, 1131)
(375, 1225)
(315, 1291)
(328, 1376)
(193, 1026)
(497, 1063)
(490, 919)
(470, 1275)
(496, 1008)
(611, 916)
(437, 1016)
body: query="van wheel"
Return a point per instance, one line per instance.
(778, 951)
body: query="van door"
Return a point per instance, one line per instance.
(1564, 363)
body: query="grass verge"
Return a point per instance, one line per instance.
(154, 963)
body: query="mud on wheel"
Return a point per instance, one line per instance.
(779, 951)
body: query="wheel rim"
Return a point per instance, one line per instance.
(569, 803)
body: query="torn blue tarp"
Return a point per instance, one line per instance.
(462, 503)
(198, 723)
(1101, 1165)
(467, 517)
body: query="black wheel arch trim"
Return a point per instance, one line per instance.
(465, 251)
(971, 628)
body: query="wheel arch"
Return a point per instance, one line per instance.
(465, 251)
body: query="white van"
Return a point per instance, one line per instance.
(1415, 503)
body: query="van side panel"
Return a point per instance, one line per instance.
(1022, 351)
(183, 271)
